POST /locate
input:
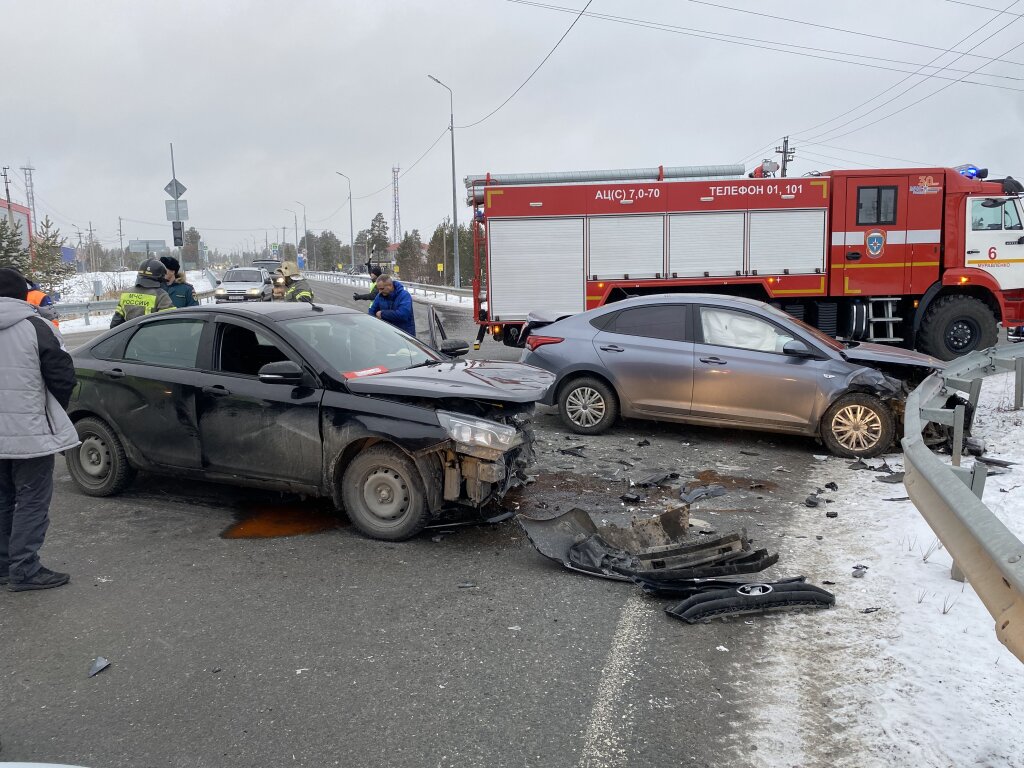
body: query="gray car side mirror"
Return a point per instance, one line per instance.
(797, 348)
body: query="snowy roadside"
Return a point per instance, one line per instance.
(81, 285)
(906, 669)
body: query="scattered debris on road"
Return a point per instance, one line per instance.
(694, 493)
(98, 665)
(859, 571)
(751, 598)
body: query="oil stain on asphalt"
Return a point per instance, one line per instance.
(293, 518)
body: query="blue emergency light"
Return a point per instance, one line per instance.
(971, 171)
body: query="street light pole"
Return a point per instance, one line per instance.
(296, 217)
(351, 229)
(455, 203)
(312, 260)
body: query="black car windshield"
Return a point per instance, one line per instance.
(243, 276)
(819, 336)
(359, 345)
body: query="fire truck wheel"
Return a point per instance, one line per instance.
(858, 425)
(587, 406)
(956, 325)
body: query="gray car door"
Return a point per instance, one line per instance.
(741, 375)
(649, 359)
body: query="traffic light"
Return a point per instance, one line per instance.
(179, 232)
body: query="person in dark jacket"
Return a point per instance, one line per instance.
(393, 305)
(146, 297)
(371, 294)
(182, 294)
(37, 378)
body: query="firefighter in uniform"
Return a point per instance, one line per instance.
(146, 297)
(289, 285)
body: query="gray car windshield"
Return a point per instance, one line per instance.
(360, 345)
(243, 276)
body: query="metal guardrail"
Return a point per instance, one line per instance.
(71, 309)
(949, 497)
(464, 295)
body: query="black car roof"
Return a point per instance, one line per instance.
(271, 310)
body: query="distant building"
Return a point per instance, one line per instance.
(21, 215)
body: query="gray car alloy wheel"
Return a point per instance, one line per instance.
(585, 406)
(857, 427)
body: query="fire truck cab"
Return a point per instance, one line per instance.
(924, 257)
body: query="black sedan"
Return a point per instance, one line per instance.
(317, 400)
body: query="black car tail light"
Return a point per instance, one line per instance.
(539, 341)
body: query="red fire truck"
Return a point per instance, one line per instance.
(923, 257)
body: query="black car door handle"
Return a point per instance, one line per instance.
(853, 256)
(612, 348)
(216, 390)
(114, 373)
(973, 252)
(714, 360)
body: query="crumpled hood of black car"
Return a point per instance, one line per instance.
(484, 379)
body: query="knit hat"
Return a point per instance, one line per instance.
(13, 284)
(172, 264)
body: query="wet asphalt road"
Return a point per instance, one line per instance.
(463, 649)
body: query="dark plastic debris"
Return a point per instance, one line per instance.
(750, 453)
(631, 498)
(895, 477)
(658, 478)
(656, 548)
(751, 598)
(858, 464)
(643, 443)
(98, 665)
(996, 462)
(689, 587)
(700, 492)
(811, 501)
(898, 498)
(859, 571)
(871, 610)
(576, 451)
(974, 446)
(467, 585)
(831, 513)
(832, 486)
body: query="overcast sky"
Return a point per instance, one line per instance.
(265, 100)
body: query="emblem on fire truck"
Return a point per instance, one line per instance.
(876, 243)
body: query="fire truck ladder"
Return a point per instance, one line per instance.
(883, 319)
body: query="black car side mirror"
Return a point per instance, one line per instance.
(283, 372)
(797, 348)
(218, 282)
(454, 347)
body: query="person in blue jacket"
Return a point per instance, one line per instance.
(393, 305)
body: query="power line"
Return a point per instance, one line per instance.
(901, 109)
(868, 35)
(810, 139)
(984, 8)
(814, 155)
(763, 45)
(535, 71)
(875, 154)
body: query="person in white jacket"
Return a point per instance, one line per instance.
(37, 377)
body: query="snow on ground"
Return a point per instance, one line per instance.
(80, 289)
(906, 668)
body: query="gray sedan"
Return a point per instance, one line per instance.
(723, 361)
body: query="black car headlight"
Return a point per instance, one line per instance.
(479, 432)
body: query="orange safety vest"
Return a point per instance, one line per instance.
(35, 298)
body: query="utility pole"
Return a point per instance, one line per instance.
(351, 227)
(7, 193)
(457, 282)
(787, 154)
(92, 251)
(310, 251)
(30, 196)
(120, 239)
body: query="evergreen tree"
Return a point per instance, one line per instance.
(410, 257)
(379, 236)
(190, 251)
(13, 253)
(48, 266)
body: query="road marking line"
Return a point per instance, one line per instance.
(611, 717)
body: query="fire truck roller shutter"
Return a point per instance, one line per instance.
(535, 264)
(793, 240)
(706, 242)
(627, 245)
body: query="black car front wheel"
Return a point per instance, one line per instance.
(858, 425)
(99, 465)
(383, 494)
(587, 406)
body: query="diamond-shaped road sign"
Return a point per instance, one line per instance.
(175, 189)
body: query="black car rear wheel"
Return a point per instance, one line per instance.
(99, 465)
(858, 425)
(587, 406)
(383, 494)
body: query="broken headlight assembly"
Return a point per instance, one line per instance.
(479, 433)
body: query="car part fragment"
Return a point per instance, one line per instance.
(751, 598)
(655, 548)
(689, 587)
